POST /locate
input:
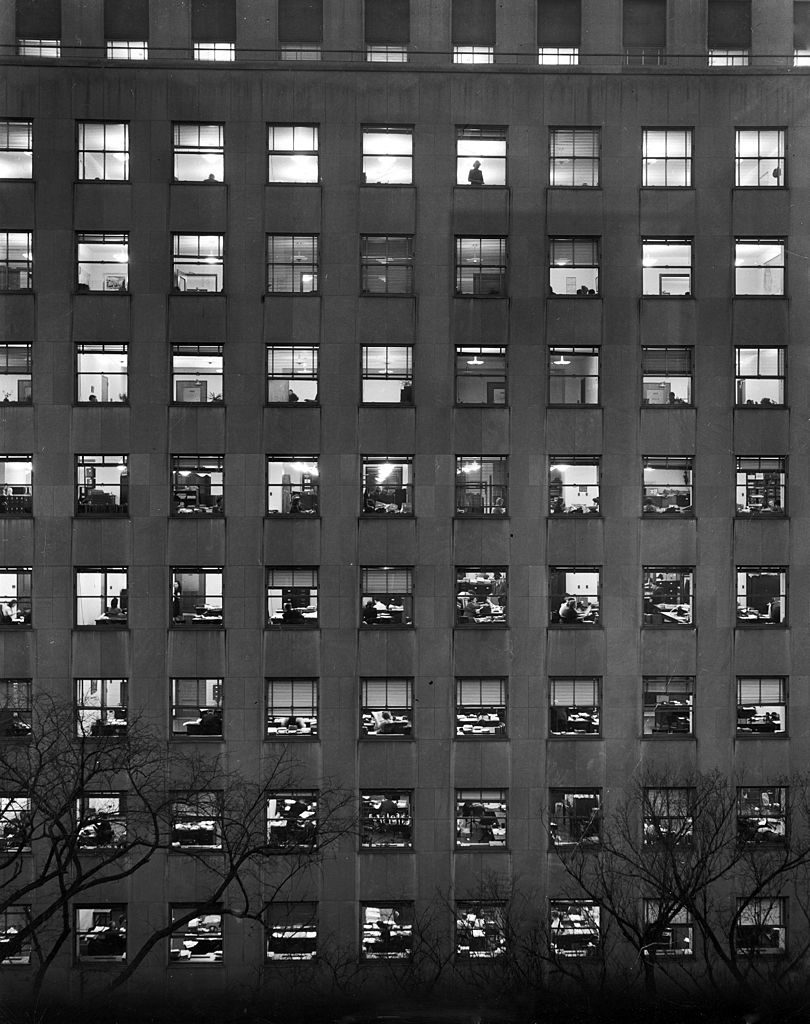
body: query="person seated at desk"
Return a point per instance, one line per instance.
(568, 610)
(469, 609)
(295, 723)
(370, 612)
(499, 508)
(290, 614)
(396, 609)
(114, 611)
(295, 504)
(485, 610)
(10, 613)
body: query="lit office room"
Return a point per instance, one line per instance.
(387, 484)
(292, 708)
(197, 482)
(480, 929)
(196, 373)
(292, 486)
(761, 814)
(101, 933)
(573, 596)
(387, 931)
(667, 705)
(386, 707)
(102, 597)
(574, 817)
(761, 704)
(196, 707)
(15, 706)
(667, 485)
(481, 485)
(385, 819)
(480, 707)
(574, 704)
(666, 376)
(574, 927)
(480, 817)
(481, 596)
(480, 375)
(387, 375)
(15, 485)
(101, 372)
(103, 261)
(292, 931)
(292, 374)
(573, 485)
(292, 596)
(762, 595)
(292, 819)
(101, 707)
(198, 940)
(196, 596)
(386, 595)
(15, 597)
(760, 486)
(668, 594)
(573, 376)
(15, 374)
(102, 485)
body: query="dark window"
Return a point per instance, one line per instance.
(14, 920)
(801, 31)
(213, 21)
(291, 930)
(39, 19)
(292, 264)
(197, 937)
(386, 264)
(126, 21)
(15, 708)
(729, 25)
(481, 266)
(102, 820)
(387, 22)
(300, 21)
(760, 926)
(644, 31)
(559, 24)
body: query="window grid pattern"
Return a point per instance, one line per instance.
(667, 157)
(386, 706)
(386, 264)
(480, 707)
(292, 264)
(481, 266)
(575, 705)
(292, 707)
(666, 375)
(574, 156)
(16, 261)
(762, 705)
(16, 149)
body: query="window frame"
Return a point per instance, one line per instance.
(297, 708)
(488, 253)
(478, 484)
(576, 352)
(103, 350)
(16, 499)
(677, 703)
(182, 935)
(209, 721)
(298, 267)
(559, 158)
(198, 811)
(197, 250)
(675, 932)
(127, 49)
(105, 154)
(668, 815)
(85, 936)
(557, 506)
(591, 614)
(103, 725)
(16, 711)
(496, 381)
(740, 266)
(386, 827)
(22, 393)
(585, 715)
(200, 467)
(197, 380)
(491, 717)
(306, 488)
(488, 584)
(16, 814)
(480, 929)
(649, 158)
(298, 574)
(583, 919)
(578, 811)
(675, 274)
(391, 715)
(210, 617)
(779, 353)
(11, 264)
(87, 483)
(682, 613)
(9, 125)
(493, 163)
(276, 817)
(297, 353)
(766, 468)
(780, 159)
(114, 264)
(397, 615)
(578, 265)
(683, 464)
(300, 928)
(487, 820)
(765, 822)
(205, 152)
(387, 265)
(399, 935)
(23, 581)
(405, 156)
(778, 618)
(753, 908)
(295, 154)
(653, 392)
(16, 918)
(370, 376)
(762, 723)
(108, 617)
(88, 818)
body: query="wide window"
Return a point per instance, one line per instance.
(101, 932)
(291, 931)
(667, 815)
(573, 376)
(197, 484)
(386, 707)
(386, 483)
(39, 47)
(760, 378)
(762, 595)
(669, 595)
(197, 706)
(480, 930)
(574, 816)
(761, 705)
(573, 266)
(292, 154)
(214, 51)
(385, 819)
(197, 820)
(760, 926)
(759, 266)
(667, 266)
(103, 151)
(481, 266)
(574, 595)
(573, 484)
(15, 708)
(480, 156)
(480, 707)
(292, 264)
(101, 372)
(387, 374)
(103, 261)
(482, 485)
(195, 939)
(102, 485)
(574, 927)
(480, 375)
(101, 707)
(16, 261)
(667, 485)
(481, 817)
(760, 158)
(196, 373)
(197, 263)
(386, 596)
(574, 706)
(666, 157)
(102, 597)
(14, 920)
(15, 485)
(15, 374)
(127, 49)
(760, 486)
(292, 596)
(386, 931)
(666, 376)
(16, 149)
(670, 931)
(574, 155)
(387, 155)
(292, 708)
(481, 596)
(761, 814)
(386, 264)
(473, 54)
(102, 820)
(292, 374)
(667, 705)
(292, 485)
(199, 152)
(292, 820)
(15, 597)
(196, 596)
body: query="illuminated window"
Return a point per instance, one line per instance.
(101, 820)
(574, 595)
(197, 373)
(16, 149)
(667, 815)
(292, 485)
(480, 156)
(197, 483)
(16, 261)
(101, 707)
(480, 930)
(199, 152)
(292, 264)
(669, 595)
(480, 375)
(102, 597)
(574, 266)
(386, 483)
(292, 820)
(292, 153)
(760, 486)
(102, 485)
(574, 816)
(666, 157)
(759, 266)
(387, 374)
(197, 707)
(196, 596)
(481, 817)
(196, 820)
(15, 597)
(385, 819)
(760, 376)
(482, 485)
(386, 707)
(480, 707)
(574, 155)
(761, 814)
(101, 932)
(573, 484)
(387, 155)
(762, 595)
(15, 485)
(292, 596)
(668, 705)
(481, 266)
(196, 937)
(197, 263)
(761, 705)
(574, 927)
(101, 372)
(292, 374)
(292, 708)
(103, 151)
(666, 266)
(574, 706)
(760, 158)
(667, 485)
(573, 376)
(386, 596)
(386, 931)
(103, 261)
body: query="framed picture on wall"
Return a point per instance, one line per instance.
(114, 282)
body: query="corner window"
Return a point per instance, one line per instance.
(760, 926)
(196, 373)
(667, 932)
(292, 374)
(761, 814)
(197, 263)
(480, 375)
(292, 485)
(197, 707)
(760, 378)
(387, 375)
(101, 707)
(386, 264)
(481, 817)
(15, 709)
(15, 374)
(386, 931)
(385, 819)
(16, 150)
(574, 155)
(15, 920)
(481, 266)
(196, 938)
(667, 486)
(292, 708)
(291, 931)
(761, 705)
(669, 596)
(762, 595)
(481, 596)
(573, 595)
(573, 484)
(574, 928)
(480, 707)
(101, 372)
(103, 151)
(15, 823)
(480, 156)
(16, 261)
(292, 597)
(666, 376)
(480, 930)
(666, 157)
(667, 266)
(760, 158)
(573, 376)
(102, 597)
(196, 595)
(197, 485)
(760, 486)
(667, 815)
(386, 707)
(292, 820)
(292, 264)
(102, 820)
(574, 266)
(101, 933)
(668, 705)
(292, 154)
(102, 485)
(15, 597)
(199, 152)
(574, 706)
(759, 266)
(197, 820)
(387, 155)
(15, 485)
(574, 816)
(482, 485)
(103, 261)
(386, 596)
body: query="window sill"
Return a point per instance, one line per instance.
(288, 737)
(79, 514)
(661, 188)
(386, 405)
(480, 847)
(191, 294)
(759, 406)
(386, 849)
(307, 626)
(293, 515)
(667, 515)
(767, 514)
(291, 295)
(386, 184)
(663, 298)
(307, 403)
(190, 736)
(295, 184)
(482, 737)
(459, 514)
(574, 188)
(186, 405)
(92, 405)
(363, 294)
(746, 736)
(481, 625)
(679, 737)
(767, 298)
(101, 181)
(467, 186)
(555, 295)
(196, 625)
(575, 515)
(196, 515)
(575, 736)
(760, 188)
(761, 625)
(119, 626)
(385, 625)
(382, 514)
(487, 298)
(575, 405)
(16, 291)
(100, 291)
(668, 625)
(481, 405)
(574, 625)
(396, 737)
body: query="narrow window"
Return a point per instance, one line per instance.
(473, 31)
(15, 597)
(15, 823)
(559, 31)
(126, 29)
